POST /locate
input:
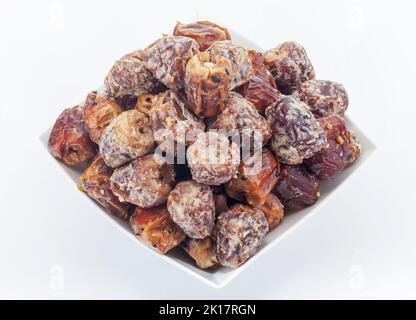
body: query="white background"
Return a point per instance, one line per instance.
(362, 243)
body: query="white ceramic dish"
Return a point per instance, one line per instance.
(222, 276)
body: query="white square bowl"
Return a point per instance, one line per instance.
(222, 276)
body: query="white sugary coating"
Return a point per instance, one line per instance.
(240, 114)
(213, 160)
(172, 121)
(191, 206)
(296, 133)
(145, 182)
(238, 233)
(167, 58)
(239, 58)
(129, 76)
(324, 97)
(127, 137)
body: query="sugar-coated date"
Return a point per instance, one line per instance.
(145, 182)
(203, 32)
(69, 140)
(296, 187)
(241, 117)
(98, 112)
(297, 135)
(261, 87)
(127, 137)
(95, 181)
(167, 58)
(202, 251)
(155, 227)
(191, 206)
(129, 77)
(239, 59)
(172, 122)
(324, 97)
(213, 160)
(238, 234)
(255, 179)
(290, 66)
(207, 79)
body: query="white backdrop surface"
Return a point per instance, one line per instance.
(361, 244)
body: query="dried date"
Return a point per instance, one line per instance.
(167, 58)
(98, 112)
(331, 161)
(213, 160)
(129, 77)
(260, 89)
(239, 59)
(145, 182)
(95, 181)
(324, 97)
(296, 133)
(289, 65)
(202, 251)
(191, 206)
(255, 179)
(207, 80)
(203, 32)
(296, 188)
(126, 138)
(69, 140)
(156, 228)
(238, 234)
(354, 146)
(172, 122)
(241, 118)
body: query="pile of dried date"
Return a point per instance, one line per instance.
(160, 141)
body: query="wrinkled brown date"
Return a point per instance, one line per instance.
(127, 137)
(95, 181)
(202, 251)
(255, 179)
(203, 32)
(172, 122)
(240, 116)
(296, 188)
(145, 182)
(324, 97)
(167, 58)
(129, 77)
(238, 233)
(296, 133)
(332, 160)
(69, 140)
(191, 206)
(260, 89)
(207, 81)
(98, 112)
(156, 228)
(273, 211)
(289, 65)
(213, 160)
(238, 56)
(144, 103)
